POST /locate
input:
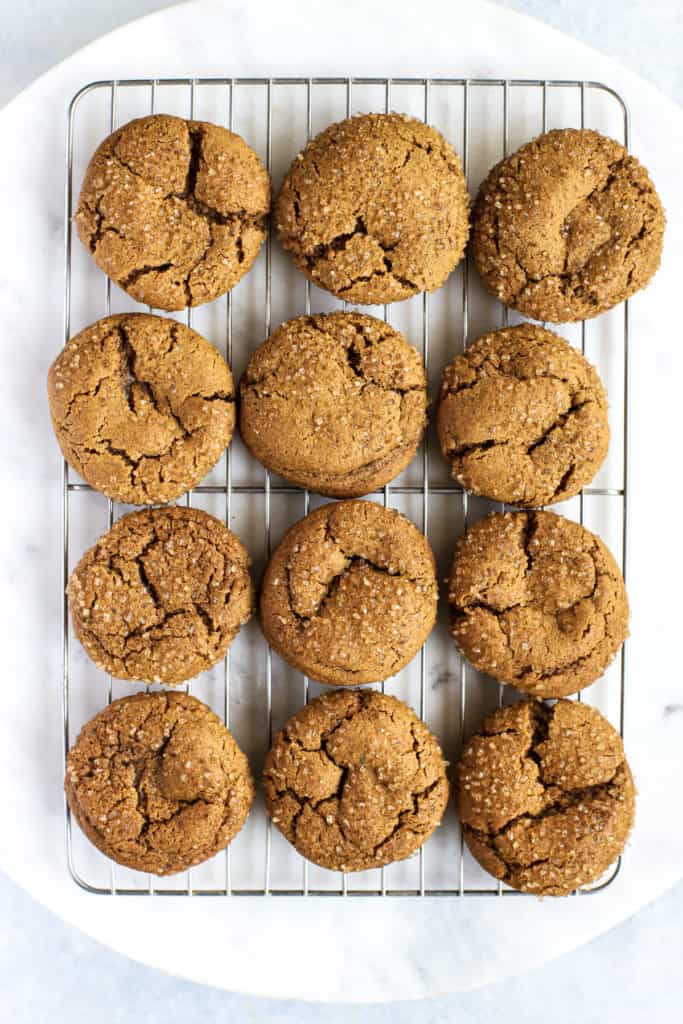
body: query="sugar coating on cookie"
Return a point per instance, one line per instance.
(162, 595)
(335, 403)
(375, 209)
(545, 796)
(355, 781)
(522, 417)
(142, 407)
(537, 601)
(567, 227)
(350, 594)
(173, 211)
(158, 783)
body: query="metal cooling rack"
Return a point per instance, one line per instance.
(266, 852)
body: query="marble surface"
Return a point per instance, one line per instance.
(631, 975)
(448, 949)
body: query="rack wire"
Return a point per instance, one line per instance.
(261, 858)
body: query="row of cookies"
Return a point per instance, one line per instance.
(356, 781)
(350, 596)
(374, 209)
(143, 407)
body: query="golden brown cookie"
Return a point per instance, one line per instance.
(336, 403)
(158, 783)
(567, 227)
(355, 781)
(375, 209)
(142, 407)
(350, 594)
(173, 211)
(545, 796)
(523, 417)
(161, 597)
(537, 601)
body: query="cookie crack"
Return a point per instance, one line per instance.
(495, 371)
(148, 268)
(254, 384)
(99, 231)
(128, 374)
(334, 583)
(461, 613)
(91, 392)
(485, 606)
(210, 215)
(387, 272)
(303, 802)
(530, 528)
(562, 797)
(200, 206)
(405, 816)
(461, 450)
(144, 578)
(560, 422)
(339, 243)
(150, 823)
(571, 281)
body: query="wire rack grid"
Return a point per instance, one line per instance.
(261, 855)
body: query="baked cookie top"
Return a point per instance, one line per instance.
(545, 796)
(142, 407)
(172, 210)
(355, 781)
(537, 601)
(162, 595)
(335, 403)
(375, 209)
(158, 783)
(567, 227)
(523, 417)
(350, 594)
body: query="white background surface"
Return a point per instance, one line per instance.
(81, 979)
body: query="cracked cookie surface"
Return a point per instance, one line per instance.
(162, 595)
(142, 407)
(335, 403)
(545, 796)
(158, 783)
(522, 417)
(537, 601)
(350, 594)
(375, 209)
(173, 211)
(355, 781)
(567, 227)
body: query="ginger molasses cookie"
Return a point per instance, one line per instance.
(173, 211)
(142, 407)
(523, 417)
(545, 796)
(336, 403)
(158, 783)
(375, 209)
(537, 601)
(350, 594)
(161, 597)
(355, 781)
(567, 227)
